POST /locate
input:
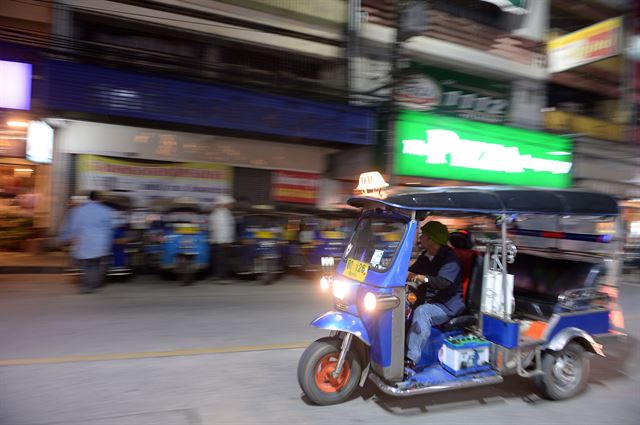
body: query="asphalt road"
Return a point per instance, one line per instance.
(150, 352)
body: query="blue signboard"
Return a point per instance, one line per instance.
(93, 89)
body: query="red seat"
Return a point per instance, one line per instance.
(467, 259)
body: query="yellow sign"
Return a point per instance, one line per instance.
(356, 270)
(264, 234)
(590, 44)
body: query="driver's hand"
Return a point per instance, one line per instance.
(411, 285)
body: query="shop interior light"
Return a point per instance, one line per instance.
(23, 170)
(16, 123)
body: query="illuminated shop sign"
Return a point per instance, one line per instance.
(15, 85)
(431, 89)
(435, 146)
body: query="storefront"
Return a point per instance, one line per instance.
(269, 148)
(25, 155)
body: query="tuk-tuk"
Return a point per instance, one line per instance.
(261, 243)
(540, 293)
(126, 245)
(185, 241)
(323, 235)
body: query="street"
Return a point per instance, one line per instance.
(148, 351)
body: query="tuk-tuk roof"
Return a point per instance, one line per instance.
(175, 204)
(492, 199)
(116, 199)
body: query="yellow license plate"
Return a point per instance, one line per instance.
(265, 235)
(356, 270)
(187, 230)
(330, 234)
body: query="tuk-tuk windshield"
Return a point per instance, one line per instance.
(375, 242)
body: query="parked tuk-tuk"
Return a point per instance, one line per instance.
(540, 293)
(261, 243)
(323, 235)
(185, 240)
(126, 245)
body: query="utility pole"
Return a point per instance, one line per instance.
(410, 20)
(391, 105)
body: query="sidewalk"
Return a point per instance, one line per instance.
(24, 262)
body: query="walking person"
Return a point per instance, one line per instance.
(222, 233)
(89, 230)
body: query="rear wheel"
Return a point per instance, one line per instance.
(187, 269)
(267, 268)
(316, 372)
(566, 372)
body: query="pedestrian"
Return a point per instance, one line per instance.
(436, 276)
(89, 230)
(222, 232)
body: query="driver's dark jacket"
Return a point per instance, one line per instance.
(444, 282)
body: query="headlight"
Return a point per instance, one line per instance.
(324, 283)
(380, 302)
(340, 289)
(370, 301)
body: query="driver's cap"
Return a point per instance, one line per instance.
(436, 231)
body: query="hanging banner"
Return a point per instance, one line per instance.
(291, 186)
(150, 181)
(590, 44)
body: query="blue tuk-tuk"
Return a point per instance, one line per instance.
(323, 235)
(126, 245)
(540, 294)
(185, 241)
(260, 250)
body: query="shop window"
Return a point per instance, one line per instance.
(17, 203)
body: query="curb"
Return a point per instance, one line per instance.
(32, 270)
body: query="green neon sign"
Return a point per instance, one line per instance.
(436, 146)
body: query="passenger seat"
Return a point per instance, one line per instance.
(471, 279)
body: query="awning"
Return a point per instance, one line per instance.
(517, 7)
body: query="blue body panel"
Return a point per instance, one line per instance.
(337, 321)
(378, 324)
(500, 332)
(591, 322)
(119, 250)
(436, 374)
(191, 244)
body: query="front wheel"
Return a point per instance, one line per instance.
(565, 372)
(315, 372)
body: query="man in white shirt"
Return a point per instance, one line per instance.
(222, 232)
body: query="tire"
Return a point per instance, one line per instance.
(566, 372)
(186, 266)
(314, 372)
(268, 276)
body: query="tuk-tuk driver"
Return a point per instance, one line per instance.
(436, 275)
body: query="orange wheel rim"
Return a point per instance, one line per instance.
(325, 380)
